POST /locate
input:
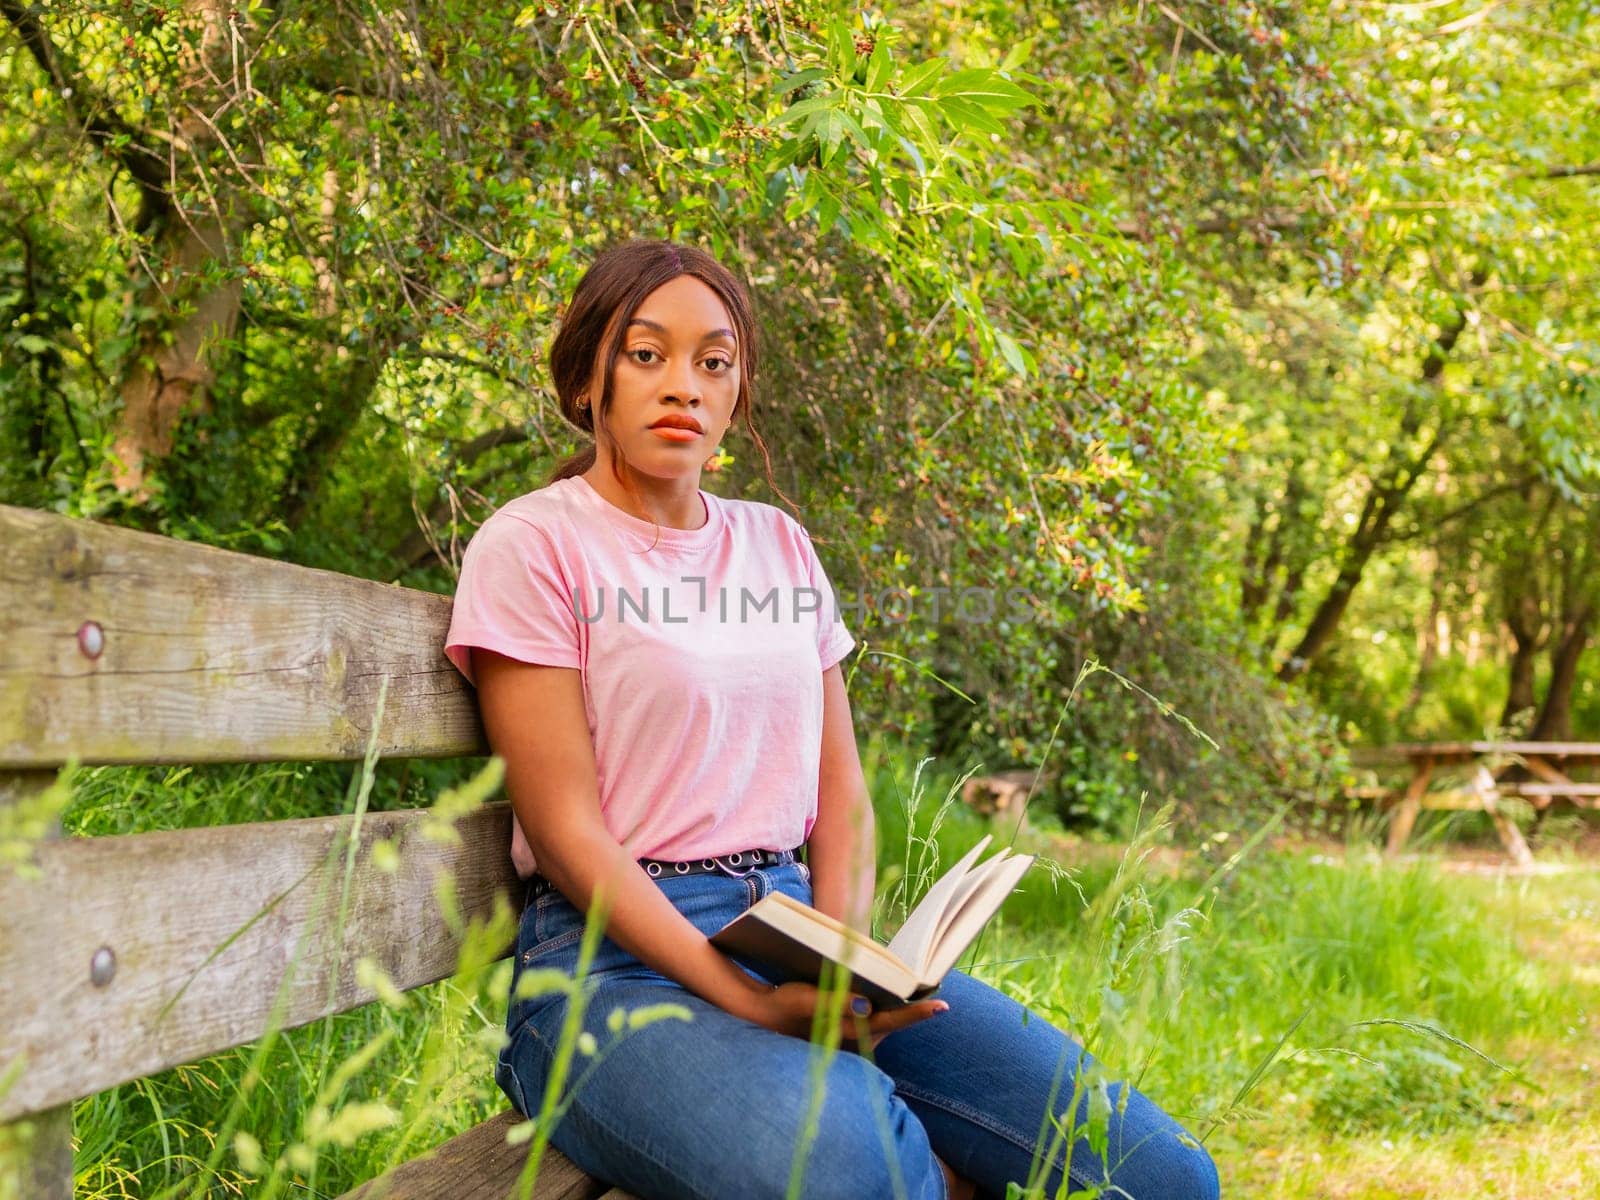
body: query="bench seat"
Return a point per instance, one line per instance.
(478, 1165)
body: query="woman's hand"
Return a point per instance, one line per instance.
(790, 1008)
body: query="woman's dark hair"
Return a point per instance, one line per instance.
(595, 325)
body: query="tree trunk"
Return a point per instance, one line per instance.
(170, 372)
(1522, 606)
(1521, 697)
(1524, 618)
(1383, 501)
(1267, 559)
(1386, 494)
(1555, 718)
(1252, 581)
(336, 415)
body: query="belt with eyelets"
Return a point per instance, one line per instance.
(737, 864)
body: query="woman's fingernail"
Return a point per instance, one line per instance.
(860, 1006)
(941, 1006)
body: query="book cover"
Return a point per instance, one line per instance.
(783, 932)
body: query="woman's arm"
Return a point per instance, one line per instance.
(841, 850)
(534, 716)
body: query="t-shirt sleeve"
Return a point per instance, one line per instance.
(511, 599)
(833, 637)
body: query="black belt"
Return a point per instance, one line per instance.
(737, 864)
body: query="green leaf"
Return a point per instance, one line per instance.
(872, 117)
(1016, 54)
(981, 85)
(806, 107)
(852, 128)
(879, 66)
(1016, 357)
(927, 137)
(830, 130)
(799, 79)
(968, 117)
(827, 212)
(777, 188)
(1099, 1116)
(842, 49)
(915, 81)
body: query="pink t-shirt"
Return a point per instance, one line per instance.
(702, 659)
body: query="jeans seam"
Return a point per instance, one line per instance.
(983, 1120)
(555, 943)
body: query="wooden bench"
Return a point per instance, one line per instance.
(123, 956)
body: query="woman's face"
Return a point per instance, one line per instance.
(679, 360)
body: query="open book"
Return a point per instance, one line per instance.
(787, 933)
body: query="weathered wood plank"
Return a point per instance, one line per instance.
(1405, 816)
(36, 1156)
(1472, 798)
(35, 1153)
(1483, 783)
(1454, 800)
(1546, 772)
(117, 962)
(478, 1165)
(1555, 790)
(1445, 751)
(206, 655)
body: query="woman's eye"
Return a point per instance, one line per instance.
(722, 363)
(643, 362)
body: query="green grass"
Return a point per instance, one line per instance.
(1331, 1025)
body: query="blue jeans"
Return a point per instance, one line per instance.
(715, 1106)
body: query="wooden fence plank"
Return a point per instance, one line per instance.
(35, 1153)
(122, 647)
(132, 954)
(478, 1165)
(36, 1157)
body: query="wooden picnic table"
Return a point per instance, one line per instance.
(1552, 764)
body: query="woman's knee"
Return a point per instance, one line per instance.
(1155, 1158)
(1194, 1174)
(1172, 1171)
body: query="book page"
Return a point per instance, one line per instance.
(916, 937)
(973, 916)
(970, 887)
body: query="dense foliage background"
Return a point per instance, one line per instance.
(1253, 344)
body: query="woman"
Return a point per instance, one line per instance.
(658, 667)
